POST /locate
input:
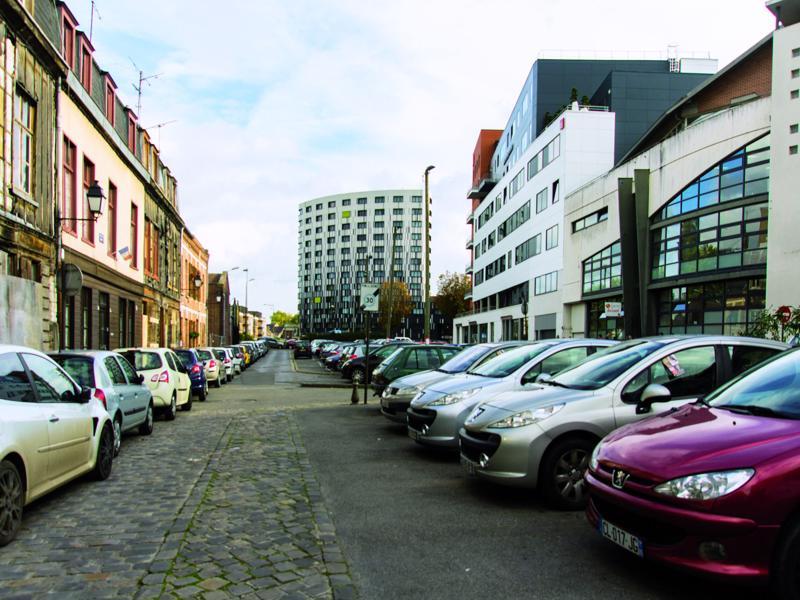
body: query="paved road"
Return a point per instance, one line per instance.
(271, 490)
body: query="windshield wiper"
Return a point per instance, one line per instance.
(754, 409)
(555, 383)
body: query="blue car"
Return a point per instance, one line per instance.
(197, 373)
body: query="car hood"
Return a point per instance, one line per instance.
(420, 380)
(695, 439)
(461, 382)
(511, 402)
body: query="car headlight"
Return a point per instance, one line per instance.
(407, 391)
(706, 486)
(527, 417)
(453, 398)
(593, 462)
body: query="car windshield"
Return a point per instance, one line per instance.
(508, 362)
(143, 361)
(384, 351)
(464, 359)
(770, 389)
(186, 357)
(204, 354)
(392, 356)
(81, 368)
(605, 366)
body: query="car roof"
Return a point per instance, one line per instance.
(87, 353)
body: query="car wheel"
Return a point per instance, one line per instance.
(146, 428)
(188, 406)
(563, 468)
(105, 454)
(12, 500)
(784, 580)
(117, 434)
(358, 376)
(172, 411)
(218, 383)
(200, 396)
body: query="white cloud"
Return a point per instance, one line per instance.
(280, 102)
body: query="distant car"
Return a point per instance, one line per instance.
(214, 367)
(238, 359)
(356, 369)
(197, 373)
(52, 430)
(116, 384)
(712, 487)
(316, 345)
(410, 359)
(302, 349)
(291, 343)
(164, 375)
(225, 356)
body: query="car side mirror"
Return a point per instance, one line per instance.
(654, 392)
(140, 379)
(85, 394)
(543, 378)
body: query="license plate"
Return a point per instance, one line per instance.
(621, 538)
(468, 465)
(414, 435)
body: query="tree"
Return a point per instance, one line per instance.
(452, 289)
(281, 319)
(401, 304)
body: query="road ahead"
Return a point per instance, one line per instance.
(273, 490)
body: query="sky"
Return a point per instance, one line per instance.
(260, 105)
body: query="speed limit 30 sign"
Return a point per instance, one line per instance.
(370, 296)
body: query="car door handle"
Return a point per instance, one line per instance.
(54, 419)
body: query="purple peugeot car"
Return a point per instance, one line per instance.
(713, 486)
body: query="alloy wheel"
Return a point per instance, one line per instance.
(12, 499)
(117, 436)
(358, 376)
(105, 454)
(570, 469)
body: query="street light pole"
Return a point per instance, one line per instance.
(427, 315)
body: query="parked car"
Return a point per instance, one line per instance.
(291, 343)
(356, 368)
(347, 352)
(225, 356)
(196, 370)
(714, 486)
(164, 375)
(116, 384)
(397, 397)
(213, 367)
(238, 359)
(316, 346)
(52, 430)
(544, 438)
(406, 360)
(438, 412)
(302, 349)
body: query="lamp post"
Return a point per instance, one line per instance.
(427, 312)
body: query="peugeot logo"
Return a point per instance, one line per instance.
(477, 413)
(619, 478)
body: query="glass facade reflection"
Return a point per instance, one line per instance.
(603, 327)
(603, 271)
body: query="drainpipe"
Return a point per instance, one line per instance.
(59, 262)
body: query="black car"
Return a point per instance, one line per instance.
(302, 349)
(355, 369)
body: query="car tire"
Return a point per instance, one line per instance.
(561, 477)
(105, 454)
(784, 581)
(146, 428)
(117, 428)
(358, 376)
(188, 406)
(12, 499)
(217, 383)
(201, 396)
(172, 410)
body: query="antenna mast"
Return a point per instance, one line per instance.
(142, 80)
(91, 20)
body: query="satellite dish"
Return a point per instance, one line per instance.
(71, 279)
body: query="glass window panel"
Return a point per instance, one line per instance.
(713, 316)
(758, 144)
(754, 188)
(730, 230)
(689, 205)
(756, 212)
(690, 191)
(708, 221)
(710, 174)
(730, 216)
(735, 162)
(760, 171)
(731, 193)
(728, 261)
(707, 264)
(754, 257)
(709, 199)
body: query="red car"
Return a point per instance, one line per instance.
(714, 486)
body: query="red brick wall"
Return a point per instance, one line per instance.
(752, 76)
(482, 155)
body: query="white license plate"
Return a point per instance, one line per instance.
(621, 538)
(414, 435)
(468, 466)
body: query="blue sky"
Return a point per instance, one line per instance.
(277, 102)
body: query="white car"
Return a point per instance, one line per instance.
(51, 431)
(226, 356)
(214, 369)
(165, 375)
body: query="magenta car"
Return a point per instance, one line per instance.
(713, 486)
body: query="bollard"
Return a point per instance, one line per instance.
(354, 395)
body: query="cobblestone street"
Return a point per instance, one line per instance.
(220, 503)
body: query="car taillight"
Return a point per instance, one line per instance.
(100, 395)
(239, 355)
(227, 360)
(162, 377)
(212, 364)
(352, 356)
(195, 368)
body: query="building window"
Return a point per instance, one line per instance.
(86, 318)
(104, 320)
(545, 284)
(88, 180)
(68, 42)
(69, 203)
(346, 202)
(591, 219)
(795, 52)
(111, 103)
(331, 203)
(380, 200)
(793, 149)
(361, 201)
(541, 200)
(151, 237)
(528, 248)
(725, 307)
(397, 199)
(24, 136)
(132, 133)
(603, 270)
(112, 220)
(740, 175)
(86, 65)
(794, 94)
(134, 247)
(551, 237)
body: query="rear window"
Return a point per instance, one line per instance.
(204, 354)
(187, 358)
(80, 368)
(220, 354)
(143, 361)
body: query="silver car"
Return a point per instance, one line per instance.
(437, 413)
(116, 384)
(396, 398)
(544, 438)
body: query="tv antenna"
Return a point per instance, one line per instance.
(142, 80)
(91, 20)
(159, 126)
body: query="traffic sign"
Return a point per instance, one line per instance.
(784, 313)
(370, 296)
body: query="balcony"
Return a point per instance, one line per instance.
(480, 191)
(468, 295)
(468, 270)
(470, 242)
(470, 218)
